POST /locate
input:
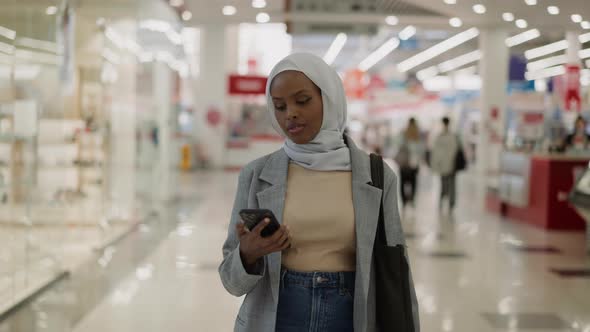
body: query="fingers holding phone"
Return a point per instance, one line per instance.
(260, 234)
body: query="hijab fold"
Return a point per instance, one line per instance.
(327, 151)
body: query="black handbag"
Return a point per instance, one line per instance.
(460, 160)
(392, 280)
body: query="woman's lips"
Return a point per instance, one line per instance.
(295, 128)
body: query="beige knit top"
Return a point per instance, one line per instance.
(320, 215)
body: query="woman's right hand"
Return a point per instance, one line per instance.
(253, 246)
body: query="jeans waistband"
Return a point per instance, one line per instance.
(318, 279)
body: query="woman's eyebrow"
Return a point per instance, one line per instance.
(292, 95)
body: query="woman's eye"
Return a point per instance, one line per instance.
(304, 101)
(280, 107)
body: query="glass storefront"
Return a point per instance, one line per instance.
(83, 135)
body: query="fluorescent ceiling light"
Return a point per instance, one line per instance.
(547, 62)
(479, 8)
(163, 27)
(391, 20)
(407, 33)
(455, 22)
(186, 15)
(51, 10)
(176, 3)
(6, 48)
(576, 18)
(438, 49)
(583, 54)
(438, 83)
(427, 73)
(547, 49)
(584, 38)
(520, 23)
(38, 44)
(545, 73)
(585, 25)
(229, 10)
(553, 10)
(508, 17)
(7, 33)
(522, 37)
(460, 61)
(379, 54)
(335, 48)
(530, 2)
(471, 70)
(259, 4)
(450, 2)
(262, 18)
(588, 63)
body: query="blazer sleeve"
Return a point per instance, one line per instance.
(392, 218)
(236, 280)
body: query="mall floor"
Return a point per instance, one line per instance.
(473, 271)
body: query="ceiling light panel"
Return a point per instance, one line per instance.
(523, 37)
(508, 17)
(547, 49)
(460, 61)
(553, 10)
(438, 49)
(479, 9)
(547, 62)
(380, 53)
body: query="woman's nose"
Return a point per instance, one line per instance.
(292, 114)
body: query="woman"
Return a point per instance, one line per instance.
(411, 152)
(315, 273)
(578, 140)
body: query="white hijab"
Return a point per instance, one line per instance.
(327, 151)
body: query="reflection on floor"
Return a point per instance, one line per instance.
(473, 271)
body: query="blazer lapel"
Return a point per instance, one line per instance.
(367, 200)
(273, 198)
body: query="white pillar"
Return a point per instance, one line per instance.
(162, 89)
(574, 47)
(494, 73)
(122, 141)
(210, 91)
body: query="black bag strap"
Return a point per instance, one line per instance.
(377, 181)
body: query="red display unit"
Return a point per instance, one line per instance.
(550, 180)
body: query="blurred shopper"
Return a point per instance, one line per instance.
(443, 162)
(410, 154)
(317, 273)
(578, 140)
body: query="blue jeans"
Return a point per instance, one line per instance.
(316, 302)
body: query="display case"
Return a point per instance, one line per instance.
(580, 199)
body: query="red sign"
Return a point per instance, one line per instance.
(494, 113)
(572, 88)
(247, 85)
(213, 116)
(532, 118)
(355, 85)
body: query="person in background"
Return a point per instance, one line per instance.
(578, 140)
(443, 156)
(410, 153)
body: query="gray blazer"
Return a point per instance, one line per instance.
(262, 184)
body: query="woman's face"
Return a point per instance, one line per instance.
(298, 106)
(580, 126)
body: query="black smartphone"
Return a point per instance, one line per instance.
(253, 217)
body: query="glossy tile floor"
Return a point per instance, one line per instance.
(473, 272)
